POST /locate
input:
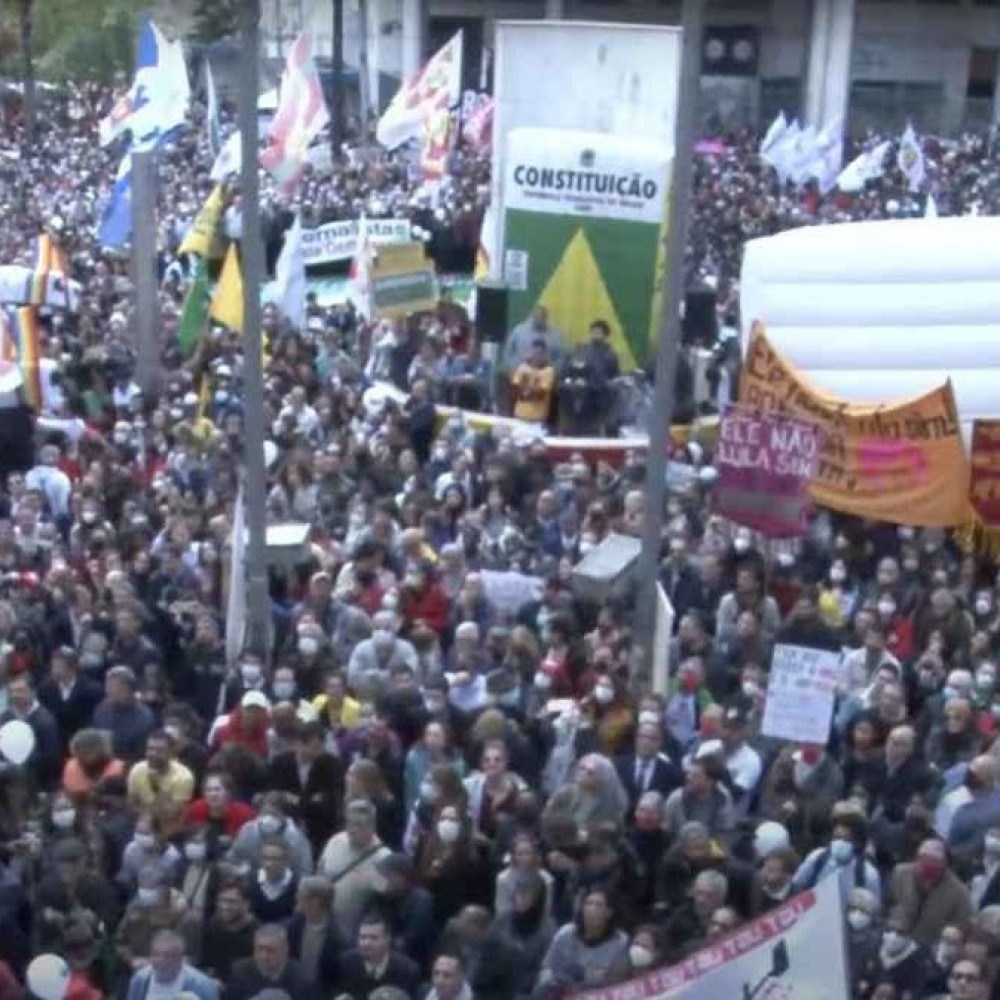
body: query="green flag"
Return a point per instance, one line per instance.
(195, 313)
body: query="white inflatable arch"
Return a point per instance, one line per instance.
(881, 311)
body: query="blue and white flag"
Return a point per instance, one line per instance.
(157, 101)
(116, 223)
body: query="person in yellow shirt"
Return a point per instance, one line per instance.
(160, 784)
(337, 709)
(533, 384)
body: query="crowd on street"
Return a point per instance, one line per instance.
(445, 780)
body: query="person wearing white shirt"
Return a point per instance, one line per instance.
(168, 976)
(51, 481)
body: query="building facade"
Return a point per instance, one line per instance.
(878, 62)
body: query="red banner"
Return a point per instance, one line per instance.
(984, 481)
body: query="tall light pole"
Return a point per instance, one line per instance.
(688, 100)
(337, 87)
(258, 633)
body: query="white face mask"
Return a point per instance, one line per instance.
(308, 645)
(63, 819)
(147, 896)
(270, 824)
(284, 690)
(750, 688)
(838, 574)
(859, 920)
(195, 850)
(448, 830)
(992, 844)
(641, 958)
(543, 681)
(251, 675)
(983, 605)
(146, 841)
(604, 694)
(886, 608)
(893, 942)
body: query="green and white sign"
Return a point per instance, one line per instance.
(583, 233)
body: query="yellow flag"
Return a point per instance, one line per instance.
(203, 236)
(227, 303)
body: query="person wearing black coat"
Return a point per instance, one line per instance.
(312, 781)
(646, 768)
(270, 969)
(374, 963)
(408, 908)
(274, 886)
(493, 962)
(69, 696)
(313, 919)
(46, 760)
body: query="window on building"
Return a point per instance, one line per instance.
(779, 94)
(880, 105)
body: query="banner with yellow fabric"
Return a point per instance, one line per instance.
(901, 462)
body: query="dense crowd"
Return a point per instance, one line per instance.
(444, 780)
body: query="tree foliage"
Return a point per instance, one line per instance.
(83, 39)
(215, 19)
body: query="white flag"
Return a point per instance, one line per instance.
(437, 84)
(212, 125)
(290, 276)
(230, 158)
(910, 159)
(930, 208)
(829, 154)
(866, 167)
(236, 606)
(802, 154)
(359, 277)
(783, 152)
(773, 135)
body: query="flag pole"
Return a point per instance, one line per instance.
(146, 325)
(258, 606)
(692, 19)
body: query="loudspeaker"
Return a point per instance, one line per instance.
(491, 312)
(700, 324)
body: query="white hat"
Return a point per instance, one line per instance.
(770, 837)
(255, 699)
(710, 748)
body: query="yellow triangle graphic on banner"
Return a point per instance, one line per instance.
(576, 295)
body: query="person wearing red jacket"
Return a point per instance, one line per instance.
(422, 599)
(246, 725)
(217, 810)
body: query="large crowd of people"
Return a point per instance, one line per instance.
(444, 780)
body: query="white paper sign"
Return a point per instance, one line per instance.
(800, 694)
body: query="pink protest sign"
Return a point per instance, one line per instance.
(765, 462)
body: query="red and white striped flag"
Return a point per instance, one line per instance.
(301, 115)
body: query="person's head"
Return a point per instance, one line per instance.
(21, 693)
(777, 870)
(600, 332)
(932, 861)
(949, 945)
(540, 318)
(474, 923)
(274, 859)
(649, 812)
(151, 888)
(694, 841)
(310, 742)
(596, 915)
(159, 750)
(967, 980)
(700, 777)
(232, 905)
(216, 792)
(891, 701)
(709, 892)
(648, 740)
(360, 823)
(397, 870)
(70, 858)
(899, 745)
(166, 955)
(981, 776)
(447, 976)
(120, 686)
(862, 910)
(538, 355)
(957, 716)
(493, 761)
(374, 938)
(270, 950)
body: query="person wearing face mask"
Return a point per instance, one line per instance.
(273, 824)
(900, 961)
(863, 937)
(984, 887)
(149, 848)
(611, 714)
(843, 855)
(687, 703)
(452, 866)
(154, 907)
(945, 953)
(927, 895)
(373, 658)
(198, 883)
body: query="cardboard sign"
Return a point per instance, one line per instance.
(800, 694)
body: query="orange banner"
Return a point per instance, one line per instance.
(900, 462)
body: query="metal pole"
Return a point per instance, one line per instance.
(688, 100)
(364, 84)
(258, 606)
(145, 280)
(28, 67)
(337, 84)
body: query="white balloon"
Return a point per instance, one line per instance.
(17, 740)
(48, 975)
